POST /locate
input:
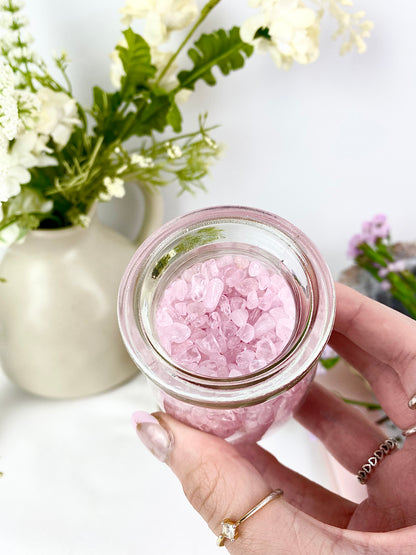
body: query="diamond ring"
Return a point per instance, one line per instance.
(230, 527)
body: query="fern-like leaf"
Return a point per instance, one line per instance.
(221, 49)
(136, 62)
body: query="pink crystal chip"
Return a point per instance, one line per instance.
(225, 318)
(231, 306)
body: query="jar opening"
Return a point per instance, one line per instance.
(229, 341)
(213, 234)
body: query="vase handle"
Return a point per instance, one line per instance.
(152, 213)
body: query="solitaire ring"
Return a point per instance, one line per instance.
(230, 527)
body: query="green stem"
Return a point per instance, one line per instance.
(369, 406)
(209, 6)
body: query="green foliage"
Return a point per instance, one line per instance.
(225, 50)
(151, 114)
(89, 165)
(137, 64)
(263, 32)
(329, 363)
(190, 242)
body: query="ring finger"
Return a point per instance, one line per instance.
(343, 429)
(385, 335)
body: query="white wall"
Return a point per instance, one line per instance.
(325, 146)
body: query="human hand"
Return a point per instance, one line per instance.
(221, 480)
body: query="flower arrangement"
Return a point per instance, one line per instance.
(373, 251)
(57, 157)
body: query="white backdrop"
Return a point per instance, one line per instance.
(325, 146)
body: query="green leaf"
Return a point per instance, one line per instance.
(104, 111)
(29, 201)
(221, 49)
(137, 64)
(191, 241)
(153, 116)
(263, 32)
(369, 406)
(174, 118)
(329, 363)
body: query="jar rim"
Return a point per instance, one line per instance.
(267, 382)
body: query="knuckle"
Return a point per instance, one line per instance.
(203, 487)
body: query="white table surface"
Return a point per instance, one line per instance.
(325, 146)
(77, 480)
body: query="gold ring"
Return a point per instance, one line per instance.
(409, 431)
(230, 527)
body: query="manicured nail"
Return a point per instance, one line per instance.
(152, 434)
(412, 402)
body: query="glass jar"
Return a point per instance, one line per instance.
(237, 407)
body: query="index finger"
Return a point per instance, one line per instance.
(385, 334)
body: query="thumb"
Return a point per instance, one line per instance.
(220, 483)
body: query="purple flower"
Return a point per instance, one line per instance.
(385, 285)
(353, 249)
(371, 230)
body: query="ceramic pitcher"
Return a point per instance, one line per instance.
(59, 336)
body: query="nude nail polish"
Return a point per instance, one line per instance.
(153, 435)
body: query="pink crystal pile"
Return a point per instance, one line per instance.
(245, 424)
(226, 317)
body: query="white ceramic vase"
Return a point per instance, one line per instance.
(59, 336)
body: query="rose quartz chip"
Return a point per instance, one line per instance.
(244, 358)
(236, 303)
(265, 350)
(213, 292)
(211, 266)
(198, 286)
(239, 317)
(181, 308)
(246, 286)
(191, 355)
(162, 318)
(246, 333)
(252, 300)
(254, 268)
(177, 333)
(179, 288)
(264, 324)
(263, 280)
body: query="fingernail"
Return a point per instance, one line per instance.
(152, 434)
(412, 402)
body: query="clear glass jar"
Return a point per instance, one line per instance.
(246, 406)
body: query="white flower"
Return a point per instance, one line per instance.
(142, 161)
(293, 29)
(116, 67)
(114, 188)
(9, 114)
(161, 17)
(29, 150)
(28, 106)
(136, 9)
(14, 167)
(83, 220)
(210, 142)
(174, 151)
(57, 115)
(41, 151)
(351, 26)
